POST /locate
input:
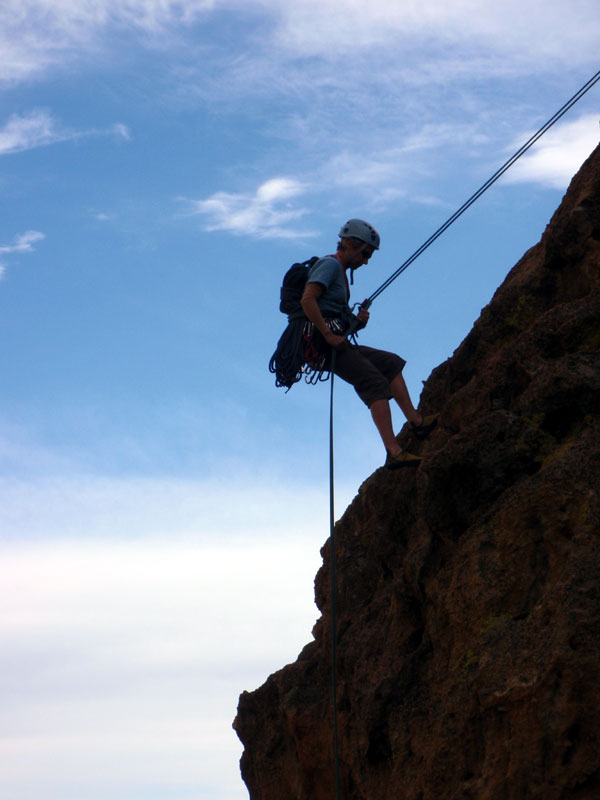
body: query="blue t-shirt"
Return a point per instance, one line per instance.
(329, 273)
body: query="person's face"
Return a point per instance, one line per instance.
(361, 254)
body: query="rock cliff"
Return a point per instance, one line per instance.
(468, 632)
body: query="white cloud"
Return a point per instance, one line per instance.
(39, 34)
(557, 156)
(361, 165)
(135, 612)
(125, 660)
(36, 35)
(411, 67)
(34, 129)
(121, 131)
(23, 242)
(383, 168)
(543, 31)
(38, 128)
(269, 213)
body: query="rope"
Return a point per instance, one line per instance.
(336, 755)
(523, 149)
(288, 358)
(296, 356)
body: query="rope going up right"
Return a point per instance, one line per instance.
(476, 195)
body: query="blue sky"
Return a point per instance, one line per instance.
(162, 162)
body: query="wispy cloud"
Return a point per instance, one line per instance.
(396, 46)
(23, 242)
(121, 131)
(269, 213)
(377, 98)
(315, 26)
(34, 129)
(38, 128)
(555, 158)
(37, 35)
(378, 104)
(383, 175)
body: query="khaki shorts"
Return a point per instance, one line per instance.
(370, 371)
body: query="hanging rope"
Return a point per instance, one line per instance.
(333, 601)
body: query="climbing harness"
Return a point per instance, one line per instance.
(353, 327)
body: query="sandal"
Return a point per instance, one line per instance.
(403, 459)
(423, 430)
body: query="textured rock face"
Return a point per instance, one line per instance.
(468, 591)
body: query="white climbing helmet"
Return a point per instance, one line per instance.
(359, 229)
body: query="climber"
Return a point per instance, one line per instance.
(375, 374)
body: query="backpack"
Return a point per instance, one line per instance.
(288, 362)
(292, 289)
